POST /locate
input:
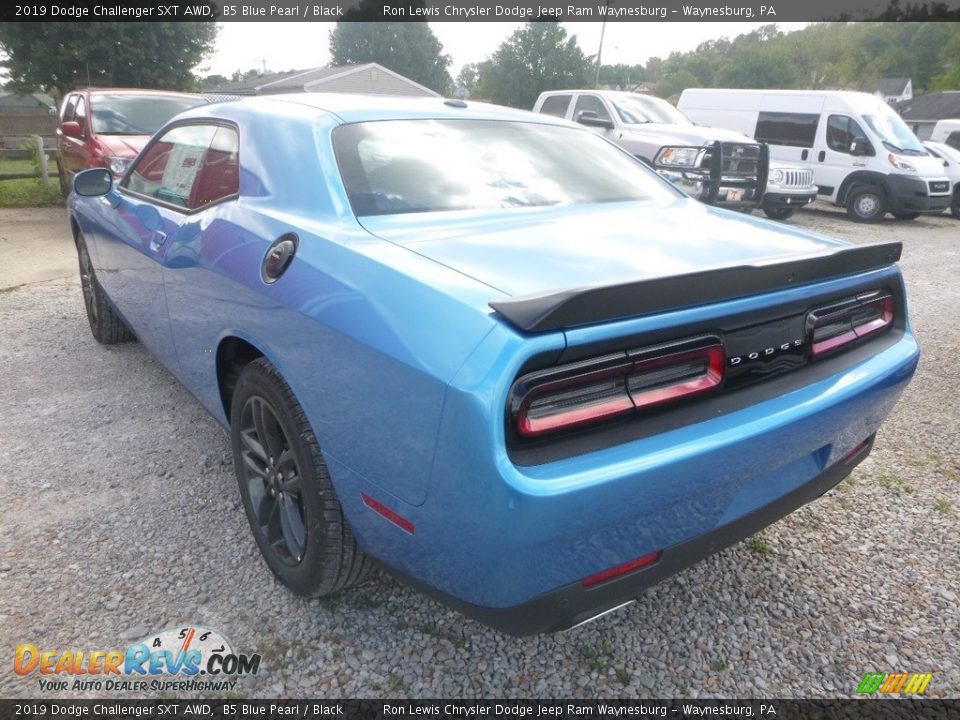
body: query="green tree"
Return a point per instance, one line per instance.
(59, 56)
(537, 57)
(408, 48)
(676, 83)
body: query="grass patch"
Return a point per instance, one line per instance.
(760, 546)
(29, 192)
(720, 664)
(943, 506)
(25, 165)
(623, 677)
(593, 658)
(894, 483)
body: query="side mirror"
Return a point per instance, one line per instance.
(591, 119)
(71, 128)
(93, 182)
(860, 147)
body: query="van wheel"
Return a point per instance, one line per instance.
(866, 204)
(289, 498)
(779, 213)
(906, 216)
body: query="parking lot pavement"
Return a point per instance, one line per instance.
(122, 517)
(34, 247)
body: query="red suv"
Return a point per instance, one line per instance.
(107, 128)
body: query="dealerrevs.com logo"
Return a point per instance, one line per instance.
(186, 659)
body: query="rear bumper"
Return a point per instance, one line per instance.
(574, 604)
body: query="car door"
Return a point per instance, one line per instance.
(73, 150)
(588, 102)
(834, 161)
(156, 201)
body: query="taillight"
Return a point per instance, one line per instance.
(571, 395)
(619, 570)
(841, 323)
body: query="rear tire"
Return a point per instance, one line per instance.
(779, 213)
(290, 501)
(866, 204)
(107, 328)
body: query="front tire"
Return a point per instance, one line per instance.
(866, 204)
(779, 213)
(291, 505)
(955, 206)
(105, 325)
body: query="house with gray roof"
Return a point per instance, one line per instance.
(368, 78)
(894, 90)
(922, 112)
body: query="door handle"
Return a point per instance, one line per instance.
(159, 238)
(822, 155)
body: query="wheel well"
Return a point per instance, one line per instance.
(74, 228)
(233, 355)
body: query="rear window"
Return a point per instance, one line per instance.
(953, 140)
(136, 114)
(556, 105)
(407, 166)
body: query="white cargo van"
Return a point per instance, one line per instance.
(862, 154)
(947, 132)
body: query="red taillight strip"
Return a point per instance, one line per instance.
(590, 412)
(716, 362)
(847, 316)
(566, 397)
(618, 570)
(381, 509)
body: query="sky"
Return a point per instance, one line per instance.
(299, 46)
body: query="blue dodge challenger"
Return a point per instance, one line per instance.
(485, 349)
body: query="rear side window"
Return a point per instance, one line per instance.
(69, 109)
(189, 167)
(791, 129)
(953, 139)
(556, 105)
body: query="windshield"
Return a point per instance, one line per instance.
(894, 134)
(406, 166)
(944, 152)
(136, 114)
(637, 109)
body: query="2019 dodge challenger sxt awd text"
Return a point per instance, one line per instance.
(485, 348)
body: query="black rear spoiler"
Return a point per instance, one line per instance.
(589, 305)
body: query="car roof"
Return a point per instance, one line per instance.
(136, 91)
(361, 108)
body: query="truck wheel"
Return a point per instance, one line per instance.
(290, 502)
(779, 213)
(866, 204)
(107, 328)
(955, 206)
(906, 216)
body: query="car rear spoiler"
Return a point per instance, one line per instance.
(589, 305)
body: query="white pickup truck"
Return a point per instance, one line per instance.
(718, 167)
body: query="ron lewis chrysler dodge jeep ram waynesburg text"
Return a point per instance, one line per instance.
(485, 348)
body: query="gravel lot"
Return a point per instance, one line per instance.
(122, 517)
